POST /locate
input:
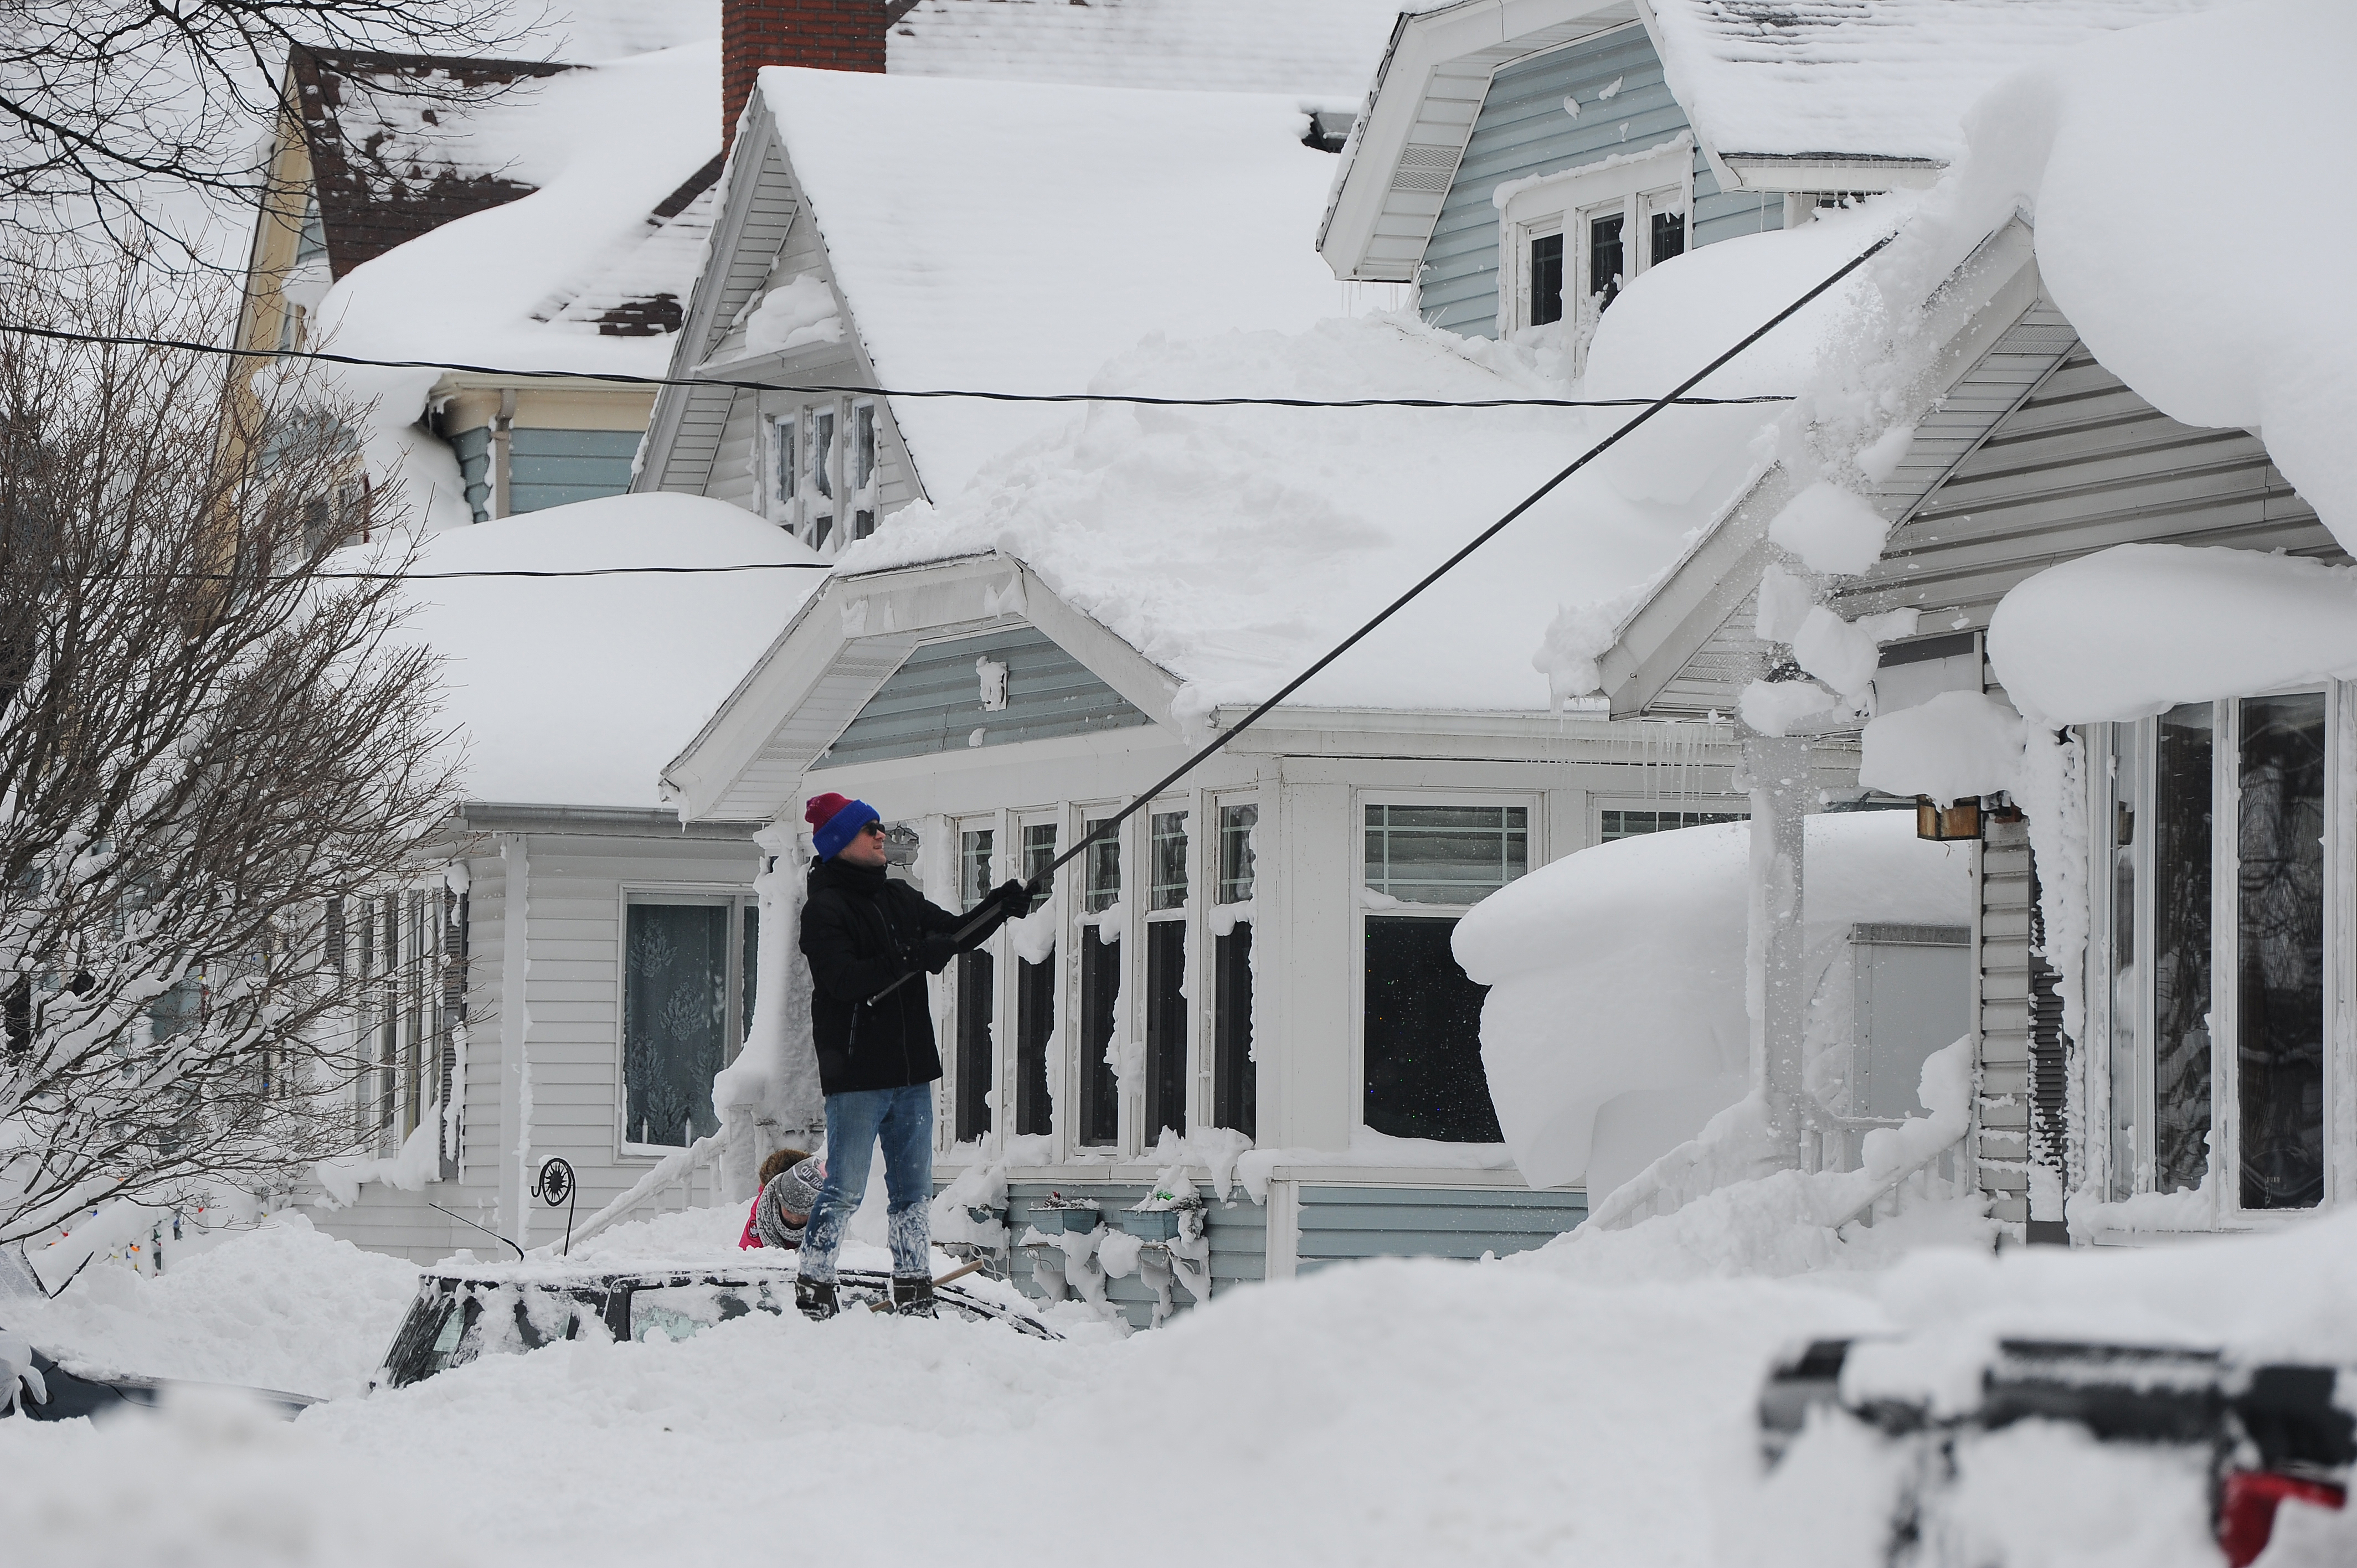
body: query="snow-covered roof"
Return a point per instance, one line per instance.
(1231, 546)
(1324, 50)
(1875, 78)
(575, 692)
(1014, 237)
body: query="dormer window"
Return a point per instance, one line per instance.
(1571, 241)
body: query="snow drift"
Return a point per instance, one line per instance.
(1620, 969)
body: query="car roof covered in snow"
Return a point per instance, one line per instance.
(1878, 79)
(1014, 237)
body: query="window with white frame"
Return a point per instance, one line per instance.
(687, 994)
(1568, 243)
(977, 993)
(2210, 924)
(1166, 975)
(1420, 1032)
(821, 473)
(1103, 927)
(1035, 1002)
(1234, 1078)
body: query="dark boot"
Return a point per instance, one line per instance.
(913, 1297)
(816, 1298)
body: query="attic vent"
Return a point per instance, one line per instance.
(1425, 168)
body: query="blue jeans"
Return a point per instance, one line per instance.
(903, 1119)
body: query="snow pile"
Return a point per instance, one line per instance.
(795, 313)
(1231, 546)
(1955, 744)
(990, 235)
(1326, 50)
(2139, 629)
(1831, 530)
(1620, 969)
(280, 1305)
(576, 691)
(1870, 77)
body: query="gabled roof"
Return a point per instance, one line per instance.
(1323, 51)
(841, 647)
(1688, 644)
(997, 235)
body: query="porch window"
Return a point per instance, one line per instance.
(784, 456)
(2246, 779)
(1617, 822)
(821, 472)
(1166, 977)
(1421, 1028)
(687, 980)
(1099, 989)
(1035, 1005)
(1234, 1080)
(977, 996)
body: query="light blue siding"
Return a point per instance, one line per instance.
(1522, 130)
(474, 450)
(550, 468)
(1340, 1224)
(933, 703)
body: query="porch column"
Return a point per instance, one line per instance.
(1776, 769)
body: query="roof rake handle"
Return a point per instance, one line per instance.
(1105, 829)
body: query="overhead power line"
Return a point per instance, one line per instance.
(1202, 753)
(616, 378)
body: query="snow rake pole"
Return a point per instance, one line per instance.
(1037, 884)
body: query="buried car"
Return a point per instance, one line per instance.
(2264, 1434)
(33, 1384)
(463, 1312)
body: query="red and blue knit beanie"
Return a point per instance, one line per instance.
(835, 821)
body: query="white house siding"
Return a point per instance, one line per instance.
(576, 882)
(1522, 130)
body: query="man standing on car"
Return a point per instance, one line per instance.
(877, 1060)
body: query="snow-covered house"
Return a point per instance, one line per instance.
(521, 215)
(1047, 607)
(2114, 503)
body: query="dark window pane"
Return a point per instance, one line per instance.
(1100, 1091)
(2180, 947)
(1423, 1036)
(1235, 1082)
(674, 1012)
(2125, 975)
(977, 999)
(1621, 824)
(1668, 238)
(1604, 259)
(2280, 978)
(1035, 1023)
(1546, 279)
(1166, 1028)
(1167, 886)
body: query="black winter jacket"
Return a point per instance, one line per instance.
(860, 932)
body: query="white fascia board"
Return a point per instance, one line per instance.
(756, 140)
(1982, 298)
(1825, 171)
(894, 611)
(1422, 45)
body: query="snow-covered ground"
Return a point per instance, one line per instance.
(1588, 1402)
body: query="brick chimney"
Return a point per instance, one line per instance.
(831, 35)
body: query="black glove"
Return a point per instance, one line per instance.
(1014, 897)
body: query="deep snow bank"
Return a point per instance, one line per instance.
(1620, 969)
(576, 691)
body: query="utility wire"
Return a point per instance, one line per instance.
(451, 576)
(1104, 829)
(618, 379)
